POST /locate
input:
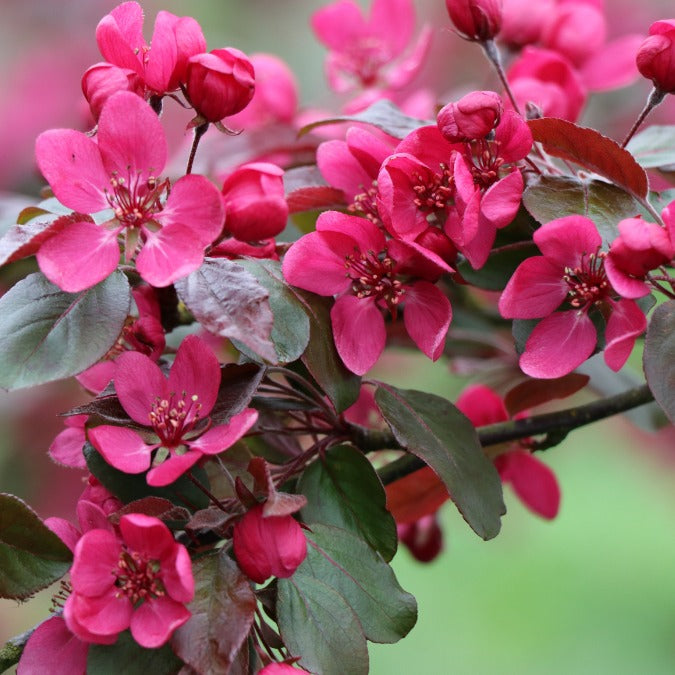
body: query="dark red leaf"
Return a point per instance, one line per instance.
(306, 190)
(532, 393)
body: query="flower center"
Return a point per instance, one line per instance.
(138, 577)
(172, 420)
(135, 201)
(588, 282)
(373, 275)
(365, 203)
(364, 59)
(486, 162)
(433, 193)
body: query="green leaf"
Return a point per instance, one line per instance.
(659, 357)
(436, 431)
(321, 358)
(228, 301)
(290, 331)
(128, 657)
(367, 583)
(654, 146)
(31, 555)
(344, 490)
(129, 487)
(383, 114)
(222, 615)
(47, 335)
(551, 197)
(318, 625)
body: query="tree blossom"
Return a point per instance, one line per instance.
(570, 273)
(141, 580)
(423, 537)
(656, 56)
(102, 80)
(364, 51)
(53, 648)
(523, 21)
(476, 19)
(267, 546)
(281, 669)
(173, 412)
(120, 171)
(162, 64)
(349, 256)
(473, 117)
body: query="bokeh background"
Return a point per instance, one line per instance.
(591, 592)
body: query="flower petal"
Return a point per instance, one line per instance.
(96, 556)
(53, 649)
(155, 620)
(139, 382)
(427, 314)
(220, 438)
(122, 448)
(171, 469)
(625, 324)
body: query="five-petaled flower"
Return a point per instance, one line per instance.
(164, 227)
(173, 412)
(140, 580)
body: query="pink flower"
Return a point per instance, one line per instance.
(53, 648)
(523, 21)
(640, 248)
(67, 447)
(267, 546)
(471, 118)
(220, 83)
(281, 669)
(255, 205)
(476, 19)
(423, 538)
(656, 56)
(570, 273)
(141, 581)
(102, 80)
(160, 65)
(549, 81)
(363, 52)
(120, 170)
(533, 481)
(349, 256)
(176, 411)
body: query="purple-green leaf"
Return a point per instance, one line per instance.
(659, 357)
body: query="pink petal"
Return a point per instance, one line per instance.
(365, 233)
(359, 332)
(514, 137)
(220, 438)
(177, 576)
(97, 378)
(163, 54)
(92, 517)
(533, 482)
(171, 469)
(96, 556)
(614, 65)
(393, 21)
(155, 620)
(65, 531)
(139, 382)
(558, 344)
(535, 290)
(99, 617)
(501, 201)
(53, 649)
(67, 447)
(79, 256)
(71, 162)
(196, 371)
(339, 24)
(341, 169)
(147, 535)
(120, 36)
(565, 240)
(195, 202)
(625, 324)
(427, 314)
(368, 149)
(131, 138)
(169, 254)
(482, 405)
(404, 71)
(624, 284)
(122, 448)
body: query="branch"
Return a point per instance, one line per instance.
(554, 426)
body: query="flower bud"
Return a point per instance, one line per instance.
(523, 21)
(474, 116)
(102, 80)
(476, 19)
(255, 206)
(265, 547)
(220, 83)
(423, 538)
(656, 56)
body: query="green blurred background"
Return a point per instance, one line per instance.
(591, 592)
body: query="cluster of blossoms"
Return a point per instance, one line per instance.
(206, 461)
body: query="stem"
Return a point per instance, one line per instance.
(199, 132)
(652, 211)
(207, 492)
(553, 425)
(492, 52)
(655, 97)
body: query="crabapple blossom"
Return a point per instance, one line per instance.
(267, 546)
(220, 83)
(656, 56)
(476, 19)
(140, 580)
(364, 51)
(380, 275)
(472, 117)
(166, 235)
(175, 412)
(523, 21)
(423, 538)
(102, 80)
(570, 274)
(281, 669)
